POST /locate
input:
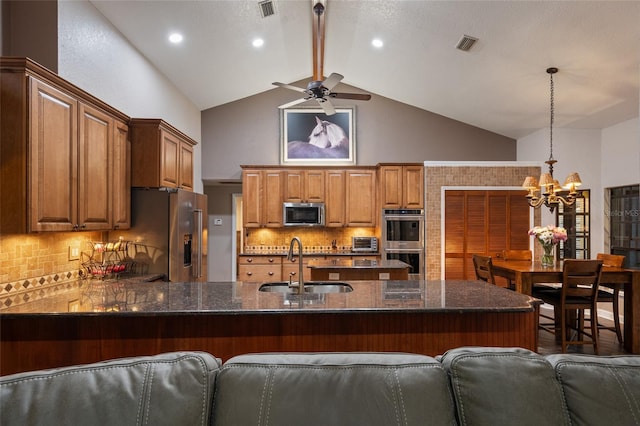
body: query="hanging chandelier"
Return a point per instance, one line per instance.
(546, 191)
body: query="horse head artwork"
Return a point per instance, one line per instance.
(327, 140)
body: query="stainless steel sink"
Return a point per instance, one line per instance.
(316, 287)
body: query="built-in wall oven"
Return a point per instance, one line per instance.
(403, 239)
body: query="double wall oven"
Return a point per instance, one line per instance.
(403, 238)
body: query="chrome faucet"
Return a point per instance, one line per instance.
(300, 284)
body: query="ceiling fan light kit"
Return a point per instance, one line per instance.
(319, 89)
(547, 186)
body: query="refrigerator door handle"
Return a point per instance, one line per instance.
(197, 269)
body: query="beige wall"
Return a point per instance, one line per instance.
(248, 132)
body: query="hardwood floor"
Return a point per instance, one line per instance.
(608, 342)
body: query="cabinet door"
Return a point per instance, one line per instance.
(413, 187)
(294, 186)
(121, 200)
(186, 166)
(314, 186)
(335, 198)
(272, 196)
(251, 198)
(169, 160)
(94, 169)
(361, 198)
(391, 186)
(54, 154)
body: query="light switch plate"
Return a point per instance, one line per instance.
(74, 253)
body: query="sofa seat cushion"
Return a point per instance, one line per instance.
(504, 386)
(332, 389)
(600, 390)
(171, 389)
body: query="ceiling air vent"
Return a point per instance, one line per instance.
(266, 8)
(466, 42)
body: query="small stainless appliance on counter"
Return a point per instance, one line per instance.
(169, 232)
(364, 244)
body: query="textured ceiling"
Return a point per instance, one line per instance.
(499, 85)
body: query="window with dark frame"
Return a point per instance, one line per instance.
(575, 219)
(624, 223)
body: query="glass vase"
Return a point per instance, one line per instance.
(547, 255)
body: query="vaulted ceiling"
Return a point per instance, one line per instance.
(500, 84)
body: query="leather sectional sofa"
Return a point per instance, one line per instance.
(467, 386)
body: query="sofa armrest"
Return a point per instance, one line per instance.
(172, 388)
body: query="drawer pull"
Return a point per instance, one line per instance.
(249, 273)
(249, 260)
(270, 273)
(270, 260)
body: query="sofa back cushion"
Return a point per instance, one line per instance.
(171, 389)
(504, 386)
(600, 390)
(332, 389)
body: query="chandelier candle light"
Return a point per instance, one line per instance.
(548, 236)
(547, 186)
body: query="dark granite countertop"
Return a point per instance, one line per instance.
(132, 297)
(357, 264)
(311, 254)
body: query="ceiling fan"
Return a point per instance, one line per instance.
(320, 89)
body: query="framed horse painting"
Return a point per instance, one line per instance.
(310, 137)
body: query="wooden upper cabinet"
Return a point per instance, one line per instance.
(97, 130)
(161, 155)
(121, 177)
(402, 186)
(360, 208)
(304, 186)
(60, 142)
(262, 198)
(334, 214)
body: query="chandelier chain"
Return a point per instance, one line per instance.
(551, 91)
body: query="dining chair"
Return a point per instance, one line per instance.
(484, 268)
(515, 255)
(605, 296)
(579, 291)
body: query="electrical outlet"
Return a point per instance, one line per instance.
(217, 221)
(74, 253)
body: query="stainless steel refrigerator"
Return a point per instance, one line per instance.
(168, 233)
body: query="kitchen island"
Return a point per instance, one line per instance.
(108, 319)
(358, 269)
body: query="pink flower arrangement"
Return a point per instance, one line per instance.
(549, 235)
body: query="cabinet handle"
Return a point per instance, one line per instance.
(292, 273)
(271, 260)
(249, 273)
(75, 227)
(249, 260)
(84, 225)
(270, 273)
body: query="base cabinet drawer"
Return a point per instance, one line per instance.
(259, 273)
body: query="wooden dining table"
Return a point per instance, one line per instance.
(525, 274)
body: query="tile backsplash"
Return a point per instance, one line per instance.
(43, 256)
(275, 239)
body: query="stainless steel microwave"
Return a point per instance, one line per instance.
(303, 214)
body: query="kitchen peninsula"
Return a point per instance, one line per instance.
(358, 269)
(98, 320)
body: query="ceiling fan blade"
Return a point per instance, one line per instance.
(288, 86)
(332, 80)
(355, 96)
(293, 103)
(327, 106)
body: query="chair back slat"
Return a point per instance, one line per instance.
(615, 260)
(484, 268)
(581, 278)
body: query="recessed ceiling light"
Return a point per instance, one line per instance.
(377, 43)
(257, 42)
(175, 38)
